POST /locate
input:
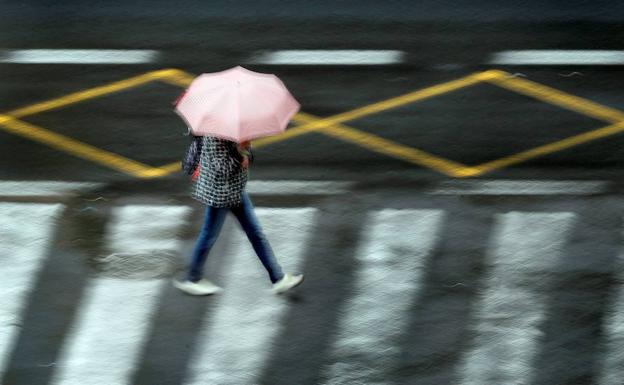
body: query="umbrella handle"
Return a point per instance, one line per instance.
(179, 98)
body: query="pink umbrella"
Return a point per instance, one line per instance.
(237, 104)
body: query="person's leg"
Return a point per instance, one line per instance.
(213, 222)
(249, 222)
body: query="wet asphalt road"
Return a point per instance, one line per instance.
(560, 263)
(472, 126)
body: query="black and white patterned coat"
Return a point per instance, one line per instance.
(222, 178)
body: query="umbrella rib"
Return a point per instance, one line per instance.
(238, 110)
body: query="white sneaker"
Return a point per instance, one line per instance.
(287, 282)
(201, 287)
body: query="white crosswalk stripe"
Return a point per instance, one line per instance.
(109, 332)
(612, 370)
(44, 188)
(113, 318)
(239, 335)
(526, 247)
(391, 262)
(25, 233)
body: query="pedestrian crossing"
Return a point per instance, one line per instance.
(526, 249)
(241, 329)
(612, 369)
(391, 265)
(25, 233)
(119, 305)
(242, 313)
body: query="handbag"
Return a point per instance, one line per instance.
(190, 161)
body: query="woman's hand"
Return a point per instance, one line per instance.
(195, 174)
(243, 149)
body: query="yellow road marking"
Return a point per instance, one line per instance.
(491, 74)
(370, 142)
(551, 147)
(559, 98)
(170, 168)
(76, 148)
(388, 147)
(330, 125)
(184, 79)
(324, 123)
(398, 101)
(90, 93)
(178, 78)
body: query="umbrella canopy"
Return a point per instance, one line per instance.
(237, 104)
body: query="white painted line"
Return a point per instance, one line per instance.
(106, 339)
(389, 276)
(558, 57)
(257, 187)
(145, 228)
(519, 187)
(78, 56)
(329, 57)
(113, 319)
(43, 188)
(25, 233)
(612, 370)
(297, 187)
(237, 340)
(526, 249)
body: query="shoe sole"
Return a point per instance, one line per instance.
(178, 286)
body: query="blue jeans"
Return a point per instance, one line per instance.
(213, 222)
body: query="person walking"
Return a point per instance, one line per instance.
(220, 181)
